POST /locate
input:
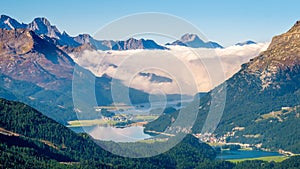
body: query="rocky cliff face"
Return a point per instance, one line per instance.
(15, 42)
(42, 26)
(280, 61)
(25, 56)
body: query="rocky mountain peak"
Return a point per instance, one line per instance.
(42, 21)
(193, 41)
(189, 37)
(132, 43)
(43, 26)
(65, 34)
(295, 28)
(248, 42)
(282, 58)
(4, 17)
(83, 38)
(290, 38)
(9, 23)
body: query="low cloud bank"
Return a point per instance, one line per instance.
(191, 70)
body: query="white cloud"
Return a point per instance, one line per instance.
(192, 70)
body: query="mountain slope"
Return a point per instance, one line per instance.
(28, 139)
(264, 98)
(25, 56)
(38, 73)
(40, 137)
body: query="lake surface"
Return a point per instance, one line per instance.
(240, 154)
(109, 133)
(145, 108)
(131, 133)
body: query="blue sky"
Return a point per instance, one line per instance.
(224, 21)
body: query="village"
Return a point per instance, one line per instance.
(222, 142)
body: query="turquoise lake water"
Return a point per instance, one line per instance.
(240, 154)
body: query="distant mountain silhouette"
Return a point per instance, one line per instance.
(193, 41)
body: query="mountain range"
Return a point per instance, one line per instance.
(42, 27)
(37, 70)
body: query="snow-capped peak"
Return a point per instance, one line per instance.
(9, 23)
(43, 26)
(248, 42)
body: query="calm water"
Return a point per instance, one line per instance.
(239, 154)
(81, 129)
(145, 108)
(128, 134)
